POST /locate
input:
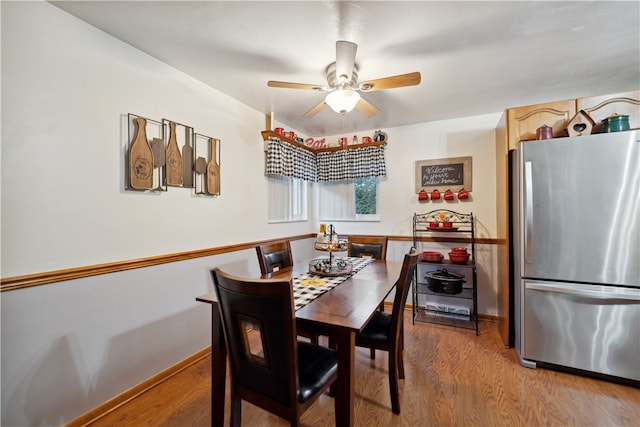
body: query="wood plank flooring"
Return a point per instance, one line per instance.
(453, 378)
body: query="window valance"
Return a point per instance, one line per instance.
(350, 164)
(295, 162)
(288, 160)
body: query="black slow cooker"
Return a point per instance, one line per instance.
(444, 282)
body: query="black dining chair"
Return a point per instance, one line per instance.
(385, 331)
(372, 246)
(368, 246)
(269, 367)
(275, 257)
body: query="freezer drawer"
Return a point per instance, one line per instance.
(589, 327)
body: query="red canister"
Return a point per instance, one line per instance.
(544, 132)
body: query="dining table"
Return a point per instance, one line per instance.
(338, 312)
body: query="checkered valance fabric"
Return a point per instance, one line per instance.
(288, 160)
(350, 164)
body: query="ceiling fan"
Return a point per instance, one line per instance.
(343, 87)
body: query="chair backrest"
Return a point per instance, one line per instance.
(372, 246)
(258, 320)
(403, 284)
(275, 257)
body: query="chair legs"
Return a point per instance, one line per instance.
(393, 383)
(373, 351)
(396, 371)
(236, 410)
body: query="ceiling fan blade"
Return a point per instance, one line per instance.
(315, 110)
(345, 60)
(367, 108)
(400, 80)
(288, 85)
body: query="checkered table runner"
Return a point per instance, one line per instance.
(304, 294)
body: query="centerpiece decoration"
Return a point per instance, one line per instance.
(327, 241)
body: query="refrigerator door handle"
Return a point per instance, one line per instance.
(611, 293)
(528, 213)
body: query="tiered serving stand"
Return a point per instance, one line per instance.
(331, 266)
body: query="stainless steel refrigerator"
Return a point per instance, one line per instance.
(576, 234)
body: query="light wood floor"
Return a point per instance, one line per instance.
(453, 378)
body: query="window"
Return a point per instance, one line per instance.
(366, 190)
(287, 199)
(351, 200)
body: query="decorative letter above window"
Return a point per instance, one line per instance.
(289, 160)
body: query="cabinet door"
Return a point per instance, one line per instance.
(601, 107)
(522, 122)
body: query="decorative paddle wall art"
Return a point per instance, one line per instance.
(207, 165)
(169, 154)
(178, 139)
(143, 173)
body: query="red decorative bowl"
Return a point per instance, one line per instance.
(461, 251)
(458, 258)
(431, 256)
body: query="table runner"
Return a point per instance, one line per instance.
(304, 294)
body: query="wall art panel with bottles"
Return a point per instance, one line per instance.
(163, 154)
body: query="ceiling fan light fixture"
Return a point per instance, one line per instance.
(342, 100)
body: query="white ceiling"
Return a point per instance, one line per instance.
(475, 57)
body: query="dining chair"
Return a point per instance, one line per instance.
(385, 331)
(372, 246)
(275, 257)
(368, 246)
(269, 367)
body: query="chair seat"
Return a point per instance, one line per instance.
(316, 366)
(378, 328)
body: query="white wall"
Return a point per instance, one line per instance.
(68, 347)
(470, 136)
(66, 86)
(65, 90)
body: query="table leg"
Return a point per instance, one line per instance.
(344, 394)
(218, 368)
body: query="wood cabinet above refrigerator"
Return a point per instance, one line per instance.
(601, 107)
(522, 122)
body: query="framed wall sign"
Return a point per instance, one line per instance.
(453, 174)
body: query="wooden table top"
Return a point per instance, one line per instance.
(349, 305)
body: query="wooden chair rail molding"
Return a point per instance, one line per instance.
(18, 282)
(36, 279)
(479, 240)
